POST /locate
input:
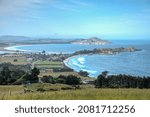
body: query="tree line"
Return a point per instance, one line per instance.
(70, 80)
(18, 76)
(121, 81)
(10, 76)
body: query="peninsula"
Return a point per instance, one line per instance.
(107, 51)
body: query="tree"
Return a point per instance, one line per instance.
(73, 80)
(104, 73)
(61, 79)
(34, 75)
(48, 79)
(2, 80)
(83, 73)
(101, 81)
(43, 52)
(15, 60)
(6, 74)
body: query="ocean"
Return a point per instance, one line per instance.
(131, 63)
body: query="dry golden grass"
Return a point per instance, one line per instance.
(20, 60)
(87, 92)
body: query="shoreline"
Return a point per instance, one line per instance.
(67, 60)
(11, 48)
(75, 64)
(14, 48)
(67, 65)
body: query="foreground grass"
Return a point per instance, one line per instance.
(85, 93)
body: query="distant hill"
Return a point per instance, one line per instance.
(91, 41)
(9, 38)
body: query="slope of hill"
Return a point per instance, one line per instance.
(9, 38)
(90, 41)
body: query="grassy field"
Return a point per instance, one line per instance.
(20, 60)
(56, 74)
(52, 64)
(55, 92)
(48, 64)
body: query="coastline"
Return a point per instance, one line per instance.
(14, 48)
(76, 63)
(67, 60)
(11, 48)
(79, 59)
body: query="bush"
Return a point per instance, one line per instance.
(61, 79)
(73, 80)
(101, 82)
(47, 79)
(15, 60)
(83, 73)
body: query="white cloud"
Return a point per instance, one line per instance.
(16, 7)
(21, 8)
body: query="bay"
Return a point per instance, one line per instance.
(131, 63)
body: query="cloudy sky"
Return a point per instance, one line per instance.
(109, 19)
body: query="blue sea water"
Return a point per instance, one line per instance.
(1, 52)
(132, 63)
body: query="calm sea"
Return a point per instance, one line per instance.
(133, 63)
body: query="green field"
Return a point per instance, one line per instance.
(20, 60)
(49, 64)
(55, 92)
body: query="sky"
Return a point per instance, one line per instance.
(107, 19)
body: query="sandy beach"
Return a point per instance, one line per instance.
(67, 60)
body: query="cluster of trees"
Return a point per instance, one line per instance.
(121, 81)
(8, 77)
(70, 79)
(18, 76)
